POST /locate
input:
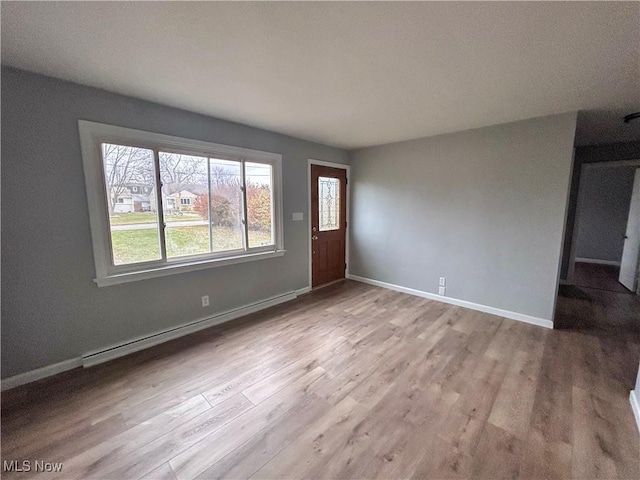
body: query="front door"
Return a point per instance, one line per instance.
(328, 224)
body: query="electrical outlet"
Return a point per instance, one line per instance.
(441, 291)
(205, 301)
(443, 281)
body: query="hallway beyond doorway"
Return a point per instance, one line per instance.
(602, 277)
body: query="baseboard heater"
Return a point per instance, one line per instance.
(115, 351)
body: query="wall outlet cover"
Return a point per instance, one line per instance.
(443, 281)
(441, 291)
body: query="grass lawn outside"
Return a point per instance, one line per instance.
(132, 246)
(135, 218)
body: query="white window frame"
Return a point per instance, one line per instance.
(93, 134)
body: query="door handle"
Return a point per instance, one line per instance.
(315, 237)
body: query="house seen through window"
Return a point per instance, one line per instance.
(161, 205)
(203, 204)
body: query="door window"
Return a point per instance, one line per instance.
(328, 203)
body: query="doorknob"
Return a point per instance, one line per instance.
(315, 237)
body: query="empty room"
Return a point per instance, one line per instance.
(329, 240)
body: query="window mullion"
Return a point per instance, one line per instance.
(209, 200)
(159, 206)
(245, 221)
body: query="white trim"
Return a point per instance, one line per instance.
(342, 166)
(635, 406)
(541, 322)
(184, 268)
(596, 261)
(302, 291)
(40, 373)
(124, 348)
(93, 134)
(96, 357)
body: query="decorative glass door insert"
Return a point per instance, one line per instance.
(329, 203)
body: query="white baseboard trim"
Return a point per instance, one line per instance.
(541, 322)
(302, 291)
(119, 350)
(635, 406)
(597, 262)
(124, 348)
(40, 373)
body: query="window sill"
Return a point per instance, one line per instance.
(183, 268)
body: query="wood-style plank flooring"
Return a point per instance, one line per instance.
(350, 381)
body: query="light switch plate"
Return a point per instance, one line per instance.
(297, 216)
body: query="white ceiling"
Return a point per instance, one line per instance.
(347, 74)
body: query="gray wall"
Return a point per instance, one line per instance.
(604, 211)
(484, 208)
(589, 154)
(51, 309)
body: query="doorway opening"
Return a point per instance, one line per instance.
(605, 249)
(328, 222)
(598, 297)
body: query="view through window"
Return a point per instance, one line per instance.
(209, 205)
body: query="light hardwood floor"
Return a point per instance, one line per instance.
(351, 381)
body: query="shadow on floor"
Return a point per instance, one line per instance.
(598, 312)
(603, 277)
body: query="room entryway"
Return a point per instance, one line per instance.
(328, 223)
(631, 250)
(606, 243)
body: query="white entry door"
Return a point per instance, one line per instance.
(631, 252)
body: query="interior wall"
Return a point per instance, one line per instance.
(484, 208)
(51, 308)
(589, 154)
(606, 195)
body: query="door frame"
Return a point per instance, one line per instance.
(312, 161)
(579, 205)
